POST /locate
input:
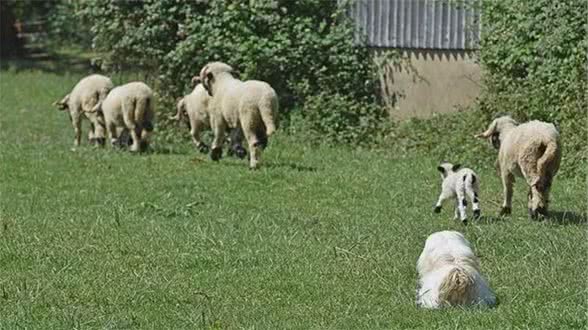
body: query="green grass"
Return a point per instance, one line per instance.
(318, 238)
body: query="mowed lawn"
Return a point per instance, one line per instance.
(317, 238)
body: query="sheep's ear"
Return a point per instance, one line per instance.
(456, 167)
(196, 80)
(491, 130)
(208, 80)
(441, 169)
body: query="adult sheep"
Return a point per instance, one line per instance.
(193, 109)
(129, 107)
(531, 150)
(251, 105)
(86, 94)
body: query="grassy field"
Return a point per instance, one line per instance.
(318, 238)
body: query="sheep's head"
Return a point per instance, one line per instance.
(210, 71)
(63, 104)
(496, 129)
(447, 168)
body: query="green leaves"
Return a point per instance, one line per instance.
(534, 56)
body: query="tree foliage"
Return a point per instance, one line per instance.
(534, 56)
(302, 48)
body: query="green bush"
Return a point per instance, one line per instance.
(340, 119)
(534, 56)
(302, 48)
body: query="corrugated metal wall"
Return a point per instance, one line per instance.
(417, 24)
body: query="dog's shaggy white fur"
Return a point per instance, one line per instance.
(449, 273)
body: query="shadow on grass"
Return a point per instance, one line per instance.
(488, 219)
(567, 218)
(270, 165)
(293, 166)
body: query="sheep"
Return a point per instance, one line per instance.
(85, 95)
(194, 110)
(129, 107)
(457, 183)
(531, 150)
(250, 105)
(449, 274)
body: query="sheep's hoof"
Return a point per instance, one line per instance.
(464, 222)
(262, 143)
(143, 145)
(92, 141)
(540, 212)
(203, 148)
(100, 141)
(476, 214)
(148, 126)
(216, 154)
(505, 211)
(437, 209)
(240, 152)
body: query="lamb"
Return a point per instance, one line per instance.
(129, 107)
(85, 95)
(449, 274)
(194, 110)
(250, 105)
(531, 150)
(457, 183)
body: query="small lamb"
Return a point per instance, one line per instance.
(457, 183)
(449, 274)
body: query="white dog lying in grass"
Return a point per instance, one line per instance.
(449, 274)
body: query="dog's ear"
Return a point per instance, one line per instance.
(441, 169)
(456, 167)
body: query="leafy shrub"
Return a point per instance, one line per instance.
(302, 48)
(534, 56)
(335, 118)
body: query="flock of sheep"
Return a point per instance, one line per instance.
(219, 101)
(448, 269)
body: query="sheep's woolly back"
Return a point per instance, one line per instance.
(90, 92)
(136, 97)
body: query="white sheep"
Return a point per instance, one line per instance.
(531, 150)
(85, 95)
(194, 110)
(129, 107)
(449, 274)
(457, 183)
(251, 105)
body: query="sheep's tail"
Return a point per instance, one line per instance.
(268, 110)
(101, 97)
(547, 164)
(457, 287)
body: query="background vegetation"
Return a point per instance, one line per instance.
(321, 237)
(532, 54)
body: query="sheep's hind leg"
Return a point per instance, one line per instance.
(473, 195)
(217, 143)
(507, 183)
(76, 123)
(255, 147)
(461, 206)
